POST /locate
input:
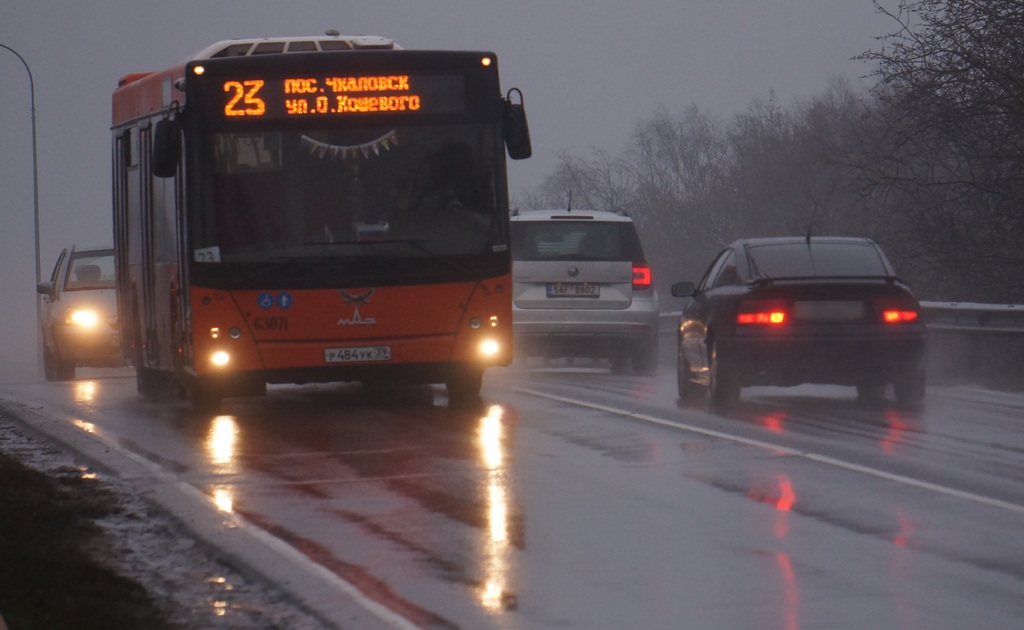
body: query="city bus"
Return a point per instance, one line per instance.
(322, 209)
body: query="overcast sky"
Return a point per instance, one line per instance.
(589, 70)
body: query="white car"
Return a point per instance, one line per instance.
(581, 286)
(79, 312)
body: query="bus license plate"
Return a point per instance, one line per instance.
(574, 289)
(357, 354)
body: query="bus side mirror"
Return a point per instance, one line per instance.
(517, 132)
(166, 148)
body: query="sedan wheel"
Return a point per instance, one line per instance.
(49, 365)
(909, 388)
(688, 390)
(870, 391)
(723, 386)
(57, 369)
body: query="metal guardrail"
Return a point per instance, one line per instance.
(974, 319)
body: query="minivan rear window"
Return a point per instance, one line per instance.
(575, 240)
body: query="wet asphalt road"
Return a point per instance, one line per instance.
(575, 498)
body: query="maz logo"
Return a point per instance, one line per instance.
(357, 320)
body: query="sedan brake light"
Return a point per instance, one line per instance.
(766, 317)
(763, 313)
(641, 277)
(894, 316)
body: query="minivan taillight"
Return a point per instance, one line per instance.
(641, 277)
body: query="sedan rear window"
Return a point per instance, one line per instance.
(575, 240)
(802, 260)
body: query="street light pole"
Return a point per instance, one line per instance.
(35, 188)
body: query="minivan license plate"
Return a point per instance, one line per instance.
(574, 289)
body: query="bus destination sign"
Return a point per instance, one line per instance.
(341, 95)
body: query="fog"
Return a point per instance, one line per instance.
(589, 70)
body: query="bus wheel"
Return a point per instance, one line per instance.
(464, 384)
(254, 389)
(203, 395)
(152, 384)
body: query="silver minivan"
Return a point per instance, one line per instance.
(581, 287)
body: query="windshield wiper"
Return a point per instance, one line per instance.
(419, 246)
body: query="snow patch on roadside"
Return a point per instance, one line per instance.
(143, 544)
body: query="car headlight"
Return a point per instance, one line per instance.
(489, 347)
(81, 317)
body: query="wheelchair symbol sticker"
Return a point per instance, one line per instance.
(265, 301)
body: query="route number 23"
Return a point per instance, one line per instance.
(243, 100)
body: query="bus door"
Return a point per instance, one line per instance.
(122, 161)
(133, 243)
(146, 258)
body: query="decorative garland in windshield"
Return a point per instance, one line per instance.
(373, 147)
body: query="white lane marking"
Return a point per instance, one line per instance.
(785, 450)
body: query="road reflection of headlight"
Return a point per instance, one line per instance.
(88, 427)
(224, 499)
(85, 391)
(222, 442)
(493, 594)
(83, 318)
(222, 449)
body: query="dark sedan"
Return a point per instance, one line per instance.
(793, 310)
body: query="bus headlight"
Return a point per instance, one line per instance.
(83, 318)
(220, 358)
(489, 347)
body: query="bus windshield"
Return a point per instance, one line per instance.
(348, 192)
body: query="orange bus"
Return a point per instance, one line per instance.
(321, 209)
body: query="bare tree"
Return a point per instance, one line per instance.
(676, 166)
(948, 167)
(693, 183)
